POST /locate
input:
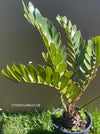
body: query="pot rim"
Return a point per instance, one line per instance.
(80, 132)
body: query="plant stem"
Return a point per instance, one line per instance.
(93, 99)
(63, 102)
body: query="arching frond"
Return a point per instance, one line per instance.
(82, 59)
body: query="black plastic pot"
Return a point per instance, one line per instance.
(60, 131)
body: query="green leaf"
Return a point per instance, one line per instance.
(70, 64)
(72, 87)
(74, 29)
(31, 7)
(68, 74)
(64, 57)
(49, 60)
(12, 74)
(84, 70)
(27, 18)
(6, 76)
(32, 73)
(88, 58)
(69, 24)
(25, 74)
(25, 9)
(59, 20)
(71, 54)
(65, 19)
(26, 15)
(77, 38)
(52, 49)
(57, 59)
(75, 94)
(62, 67)
(64, 81)
(17, 71)
(41, 21)
(97, 42)
(87, 64)
(44, 56)
(90, 48)
(74, 129)
(41, 73)
(58, 40)
(53, 31)
(56, 78)
(48, 75)
(70, 44)
(63, 49)
(80, 58)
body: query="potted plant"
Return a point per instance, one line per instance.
(69, 68)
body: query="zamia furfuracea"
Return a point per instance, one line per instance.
(69, 68)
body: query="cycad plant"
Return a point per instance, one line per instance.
(69, 68)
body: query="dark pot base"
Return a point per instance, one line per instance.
(60, 131)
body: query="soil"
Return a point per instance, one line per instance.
(67, 121)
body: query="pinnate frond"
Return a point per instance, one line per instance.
(69, 68)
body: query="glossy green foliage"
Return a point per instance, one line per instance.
(52, 39)
(69, 68)
(49, 75)
(64, 82)
(84, 59)
(41, 74)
